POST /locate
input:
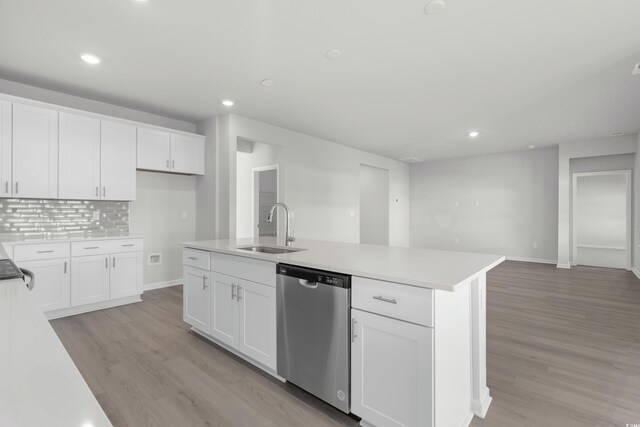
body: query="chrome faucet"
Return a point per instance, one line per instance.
(288, 238)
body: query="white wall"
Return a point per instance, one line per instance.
(320, 182)
(590, 148)
(157, 216)
(517, 204)
(206, 215)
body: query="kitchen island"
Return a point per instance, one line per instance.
(418, 320)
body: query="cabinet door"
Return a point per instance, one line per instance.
(6, 188)
(79, 157)
(224, 313)
(391, 371)
(35, 152)
(90, 279)
(187, 154)
(126, 275)
(52, 289)
(118, 161)
(154, 149)
(257, 322)
(197, 299)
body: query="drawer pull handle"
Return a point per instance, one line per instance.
(129, 244)
(45, 252)
(239, 293)
(193, 258)
(233, 291)
(91, 247)
(383, 299)
(65, 267)
(354, 335)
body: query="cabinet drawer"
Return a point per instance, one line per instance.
(250, 269)
(395, 300)
(89, 247)
(128, 245)
(37, 252)
(196, 258)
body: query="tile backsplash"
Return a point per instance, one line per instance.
(34, 218)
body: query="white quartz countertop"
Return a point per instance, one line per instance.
(39, 384)
(35, 240)
(426, 268)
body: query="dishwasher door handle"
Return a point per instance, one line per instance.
(307, 284)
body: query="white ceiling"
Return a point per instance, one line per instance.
(407, 84)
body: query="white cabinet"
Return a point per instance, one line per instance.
(239, 313)
(34, 152)
(126, 275)
(187, 154)
(79, 157)
(118, 161)
(154, 149)
(90, 279)
(163, 151)
(224, 313)
(53, 285)
(257, 322)
(196, 298)
(5, 149)
(391, 371)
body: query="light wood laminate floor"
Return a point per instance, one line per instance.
(563, 349)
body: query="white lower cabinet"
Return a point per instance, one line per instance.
(125, 275)
(53, 285)
(239, 313)
(391, 371)
(257, 322)
(197, 299)
(90, 280)
(224, 313)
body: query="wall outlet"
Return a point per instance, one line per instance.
(477, 203)
(155, 259)
(183, 214)
(534, 245)
(96, 215)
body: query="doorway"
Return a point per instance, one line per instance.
(374, 205)
(602, 219)
(265, 195)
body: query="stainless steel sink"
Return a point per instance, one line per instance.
(270, 249)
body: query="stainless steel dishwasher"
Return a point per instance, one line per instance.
(313, 332)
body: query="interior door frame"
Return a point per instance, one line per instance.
(574, 190)
(255, 232)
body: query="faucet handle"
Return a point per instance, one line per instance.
(292, 236)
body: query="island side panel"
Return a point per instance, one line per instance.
(453, 338)
(481, 396)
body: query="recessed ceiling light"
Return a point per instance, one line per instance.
(410, 160)
(474, 134)
(267, 82)
(617, 133)
(228, 103)
(434, 7)
(90, 59)
(531, 147)
(334, 53)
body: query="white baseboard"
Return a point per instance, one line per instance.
(567, 266)
(524, 259)
(159, 285)
(72, 311)
(636, 272)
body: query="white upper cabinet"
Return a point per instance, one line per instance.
(154, 149)
(35, 152)
(79, 157)
(118, 161)
(5, 148)
(187, 154)
(170, 152)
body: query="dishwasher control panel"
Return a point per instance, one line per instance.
(315, 276)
